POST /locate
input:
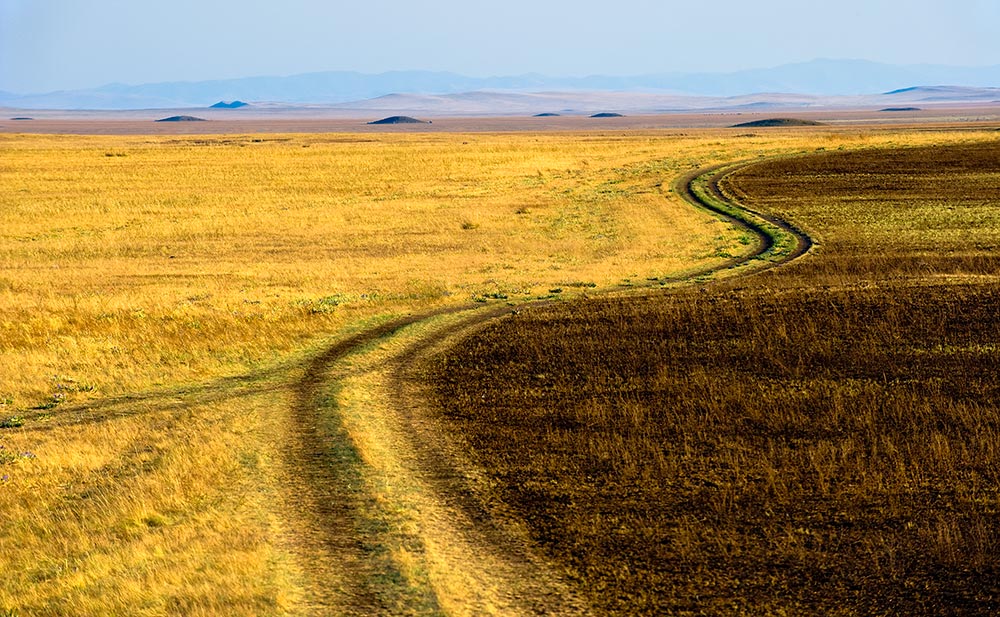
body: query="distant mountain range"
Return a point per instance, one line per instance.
(817, 78)
(484, 102)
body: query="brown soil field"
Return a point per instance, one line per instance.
(821, 438)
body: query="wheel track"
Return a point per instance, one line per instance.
(526, 584)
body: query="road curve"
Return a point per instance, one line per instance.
(481, 540)
(778, 241)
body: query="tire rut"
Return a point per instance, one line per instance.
(328, 493)
(324, 488)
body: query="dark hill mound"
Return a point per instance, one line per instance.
(607, 114)
(901, 109)
(399, 120)
(181, 119)
(777, 122)
(233, 105)
(547, 114)
(22, 118)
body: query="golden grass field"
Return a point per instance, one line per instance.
(158, 296)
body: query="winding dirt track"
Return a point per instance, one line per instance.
(484, 551)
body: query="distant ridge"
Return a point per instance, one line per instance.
(943, 93)
(768, 122)
(818, 77)
(181, 119)
(233, 105)
(399, 120)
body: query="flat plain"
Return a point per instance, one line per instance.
(172, 306)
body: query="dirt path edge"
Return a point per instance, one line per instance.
(436, 458)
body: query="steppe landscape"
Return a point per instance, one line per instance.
(583, 371)
(353, 309)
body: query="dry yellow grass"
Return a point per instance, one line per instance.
(134, 261)
(155, 294)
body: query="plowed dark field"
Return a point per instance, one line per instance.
(819, 438)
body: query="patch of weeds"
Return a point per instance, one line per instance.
(322, 306)
(12, 422)
(64, 384)
(8, 456)
(155, 520)
(579, 284)
(56, 400)
(109, 155)
(249, 460)
(492, 295)
(522, 210)
(467, 225)
(555, 290)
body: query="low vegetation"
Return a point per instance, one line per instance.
(819, 439)
(160, 298)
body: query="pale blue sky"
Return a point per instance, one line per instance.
(57, 44)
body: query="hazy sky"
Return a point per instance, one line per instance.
(56, 44)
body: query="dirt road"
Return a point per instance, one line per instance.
(397, 521)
